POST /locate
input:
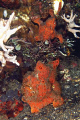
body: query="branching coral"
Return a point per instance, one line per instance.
(71, 24)
(5, 33)
(4, 56)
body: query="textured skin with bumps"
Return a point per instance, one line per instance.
(40, 87)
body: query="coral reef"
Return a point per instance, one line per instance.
(41, 30)
(40, 87)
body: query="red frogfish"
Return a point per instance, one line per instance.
(40, 87)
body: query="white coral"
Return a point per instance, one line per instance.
(5, 33)
(4, 56)
(71, 24)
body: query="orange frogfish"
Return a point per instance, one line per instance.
(40, 87)
(47, 29)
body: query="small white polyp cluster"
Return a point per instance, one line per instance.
(5, 33)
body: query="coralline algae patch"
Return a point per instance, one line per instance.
(10, 101)
(10, 104)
